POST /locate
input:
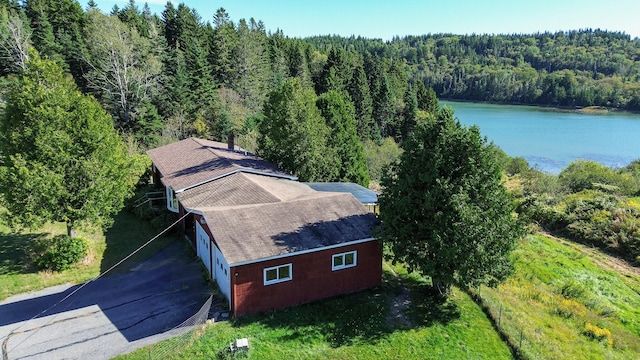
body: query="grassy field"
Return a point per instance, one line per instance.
(365, 325)
(567, 301)
(564, 301)
(18, 273)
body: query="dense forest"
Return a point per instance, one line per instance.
(176, 74)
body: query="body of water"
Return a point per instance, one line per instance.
(550, 140)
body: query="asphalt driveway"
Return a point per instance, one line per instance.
(110, 316)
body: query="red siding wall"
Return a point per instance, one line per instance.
(312, 279)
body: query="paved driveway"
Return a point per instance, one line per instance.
(110, 316)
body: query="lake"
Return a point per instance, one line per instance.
(550, 140)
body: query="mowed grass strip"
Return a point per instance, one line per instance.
(362, 325)
(18, 274)
(559, 294)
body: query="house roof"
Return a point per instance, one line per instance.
(194, 161)
(242, 189)
(255, 210)
(246, 233)
(361, 193)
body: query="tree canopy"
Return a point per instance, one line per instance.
(63, 161)
(452, 219)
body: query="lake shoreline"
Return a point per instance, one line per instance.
(552, 139)
(589, 110)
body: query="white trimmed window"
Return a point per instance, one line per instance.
(172, 200)
(344, 260)
(277, 274)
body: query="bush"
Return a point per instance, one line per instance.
(583, 175)
(572, 289)
(597, 333)
(61, 253)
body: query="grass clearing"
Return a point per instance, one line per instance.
(360, 326)
(566, 301)
(18, 273)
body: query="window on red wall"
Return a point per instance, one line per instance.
(278, 274)
(344, 260)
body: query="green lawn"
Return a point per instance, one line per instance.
(360, 326)
(559, 291)
(18, 273)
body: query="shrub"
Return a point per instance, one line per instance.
(583, 174)
(567, 308)
(61, 252)
(572, 289)
(597, 333)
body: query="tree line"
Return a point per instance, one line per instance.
(173, 75)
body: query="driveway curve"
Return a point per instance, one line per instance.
(110, 316)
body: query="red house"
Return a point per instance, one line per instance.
(268, 240)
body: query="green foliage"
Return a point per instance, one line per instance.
(362, 325)
(63, 160)
(595, 210)
(340, 118)
(573, 68)
(61, 252)
(530, 306)
(444, 210)
(379, 156)
(583, 174)
(293, 134)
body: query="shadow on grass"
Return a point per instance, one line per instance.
(15, 252)
(356, 318)
(126, 235)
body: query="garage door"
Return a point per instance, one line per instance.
(203, 246)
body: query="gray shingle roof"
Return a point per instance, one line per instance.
(255, 210)
(249, 233)
(194, 161)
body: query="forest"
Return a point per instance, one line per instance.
(168, 76)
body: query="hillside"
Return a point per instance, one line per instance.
(568, 301)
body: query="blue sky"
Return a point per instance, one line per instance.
(386, 18)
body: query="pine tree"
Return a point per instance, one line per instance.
(361, 96)
(339, 115)
(293, 134)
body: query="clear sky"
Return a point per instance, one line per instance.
(387, 18)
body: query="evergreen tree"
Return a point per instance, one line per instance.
(361, 96)
(293, 134)
(63, 161)
(409, 114)
(444, 210)
(222, 42)
(426, 98)
(339, 115)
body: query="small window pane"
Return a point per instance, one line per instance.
(284, 272)
(272, 274)
(337, 260)
(349, 259)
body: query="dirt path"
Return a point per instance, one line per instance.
(601, 258)
(400, 303)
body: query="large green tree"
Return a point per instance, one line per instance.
(293, 134)
(339, 115)
(444, 209)
(62, 160)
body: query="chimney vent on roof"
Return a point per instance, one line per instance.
(231, 141)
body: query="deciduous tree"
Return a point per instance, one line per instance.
(62, 160)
